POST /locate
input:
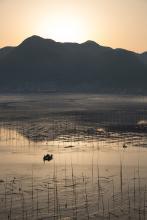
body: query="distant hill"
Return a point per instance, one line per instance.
(39, 64)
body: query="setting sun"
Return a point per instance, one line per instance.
(64, 29)
(107, 23)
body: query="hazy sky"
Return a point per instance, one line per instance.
(115, 23)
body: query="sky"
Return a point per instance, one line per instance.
(114, 23)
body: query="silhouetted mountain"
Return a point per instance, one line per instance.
(143, 57)
(5, 50)
(43, 64)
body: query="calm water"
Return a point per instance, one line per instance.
(91, 176)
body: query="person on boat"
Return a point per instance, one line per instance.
(48, 157)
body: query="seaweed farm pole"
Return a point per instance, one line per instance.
(134, 189)
(121, 181)
(75, 195)
(129, 202)
(65, 176)
(98, 188)
(5, 186)
(11, 202)
(86, 197)
(139, 191)
(32, 192)
(100, 194)
(92, 167)
(144, 210)
(37, 202)
(74, 191)
(103, 206)
(113, 196)
(48, 196)
(57, 202)
(22, 196)
(54, 180)
(54, 200)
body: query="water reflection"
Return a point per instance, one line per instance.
(100, 165)
(90, 172)
(17, 148)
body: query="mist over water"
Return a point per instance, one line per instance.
(47, 116)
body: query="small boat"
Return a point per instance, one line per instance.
(70, 146)
(47, 157)
(125, 146)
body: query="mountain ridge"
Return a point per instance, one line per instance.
(33, 37)
(45, 64)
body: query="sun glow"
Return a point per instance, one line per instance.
(66, 29)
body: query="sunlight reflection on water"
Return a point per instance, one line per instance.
(86, 135)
